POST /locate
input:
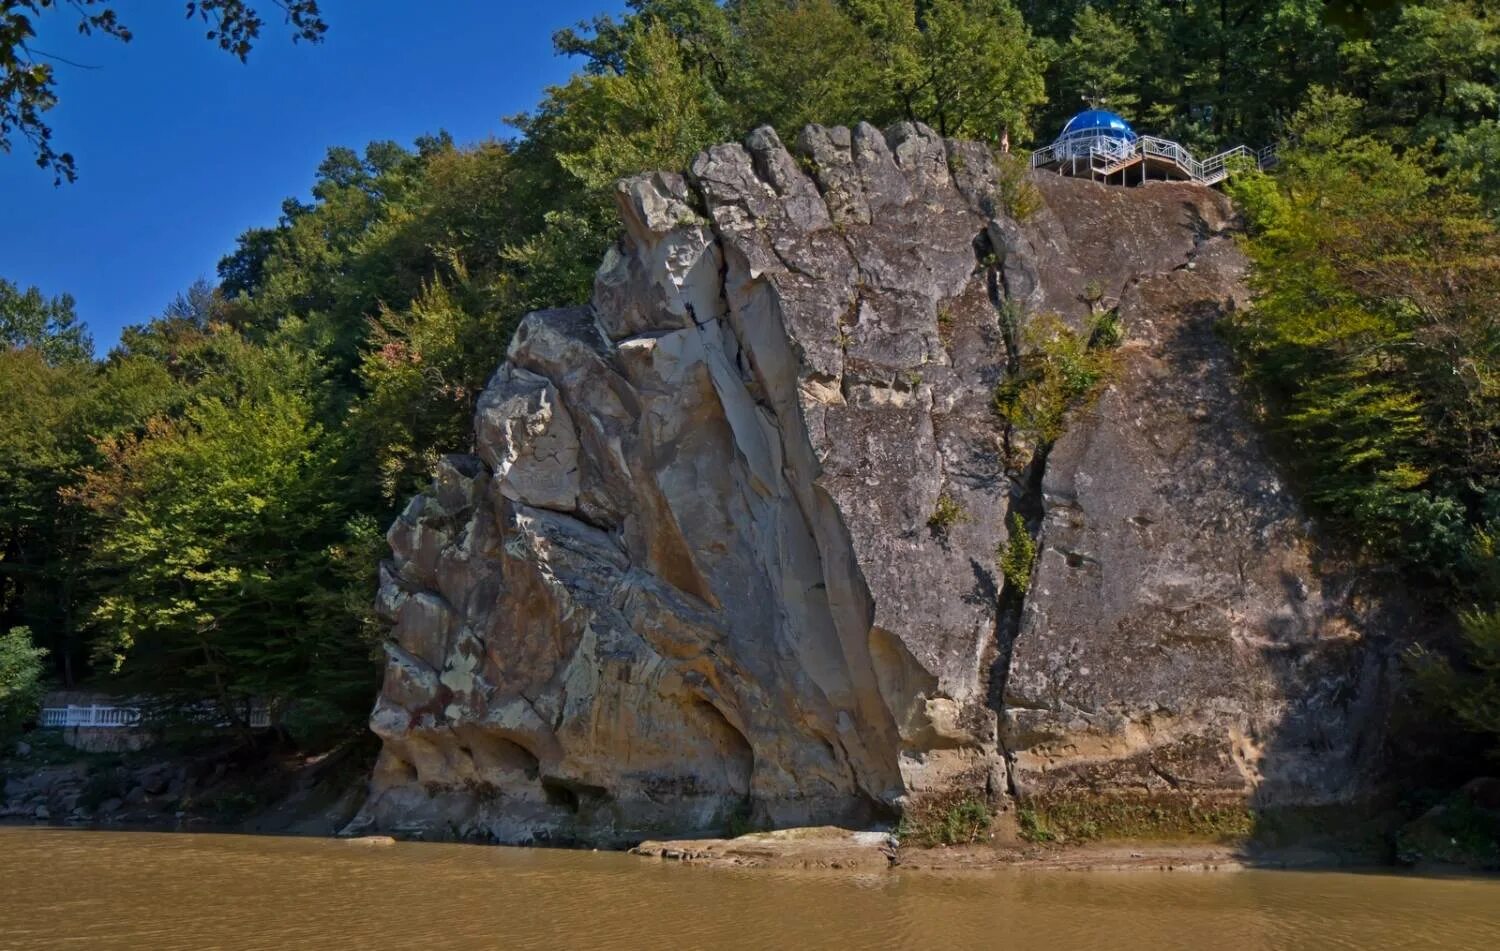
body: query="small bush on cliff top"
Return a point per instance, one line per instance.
(1017, 196)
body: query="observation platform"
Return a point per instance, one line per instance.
(1103, 146)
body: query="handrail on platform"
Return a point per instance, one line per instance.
(1106, 155)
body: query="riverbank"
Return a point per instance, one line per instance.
(215, 783)
(1444, 834)
(227, 785)
(840, 849)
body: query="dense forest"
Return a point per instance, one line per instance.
(201, 509)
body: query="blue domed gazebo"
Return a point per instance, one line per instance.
(1097, 124)
(1093, 134)
(1101, 144)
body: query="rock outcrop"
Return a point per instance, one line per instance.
(692, 578)
(1179, 637)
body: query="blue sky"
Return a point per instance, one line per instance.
(180, 148)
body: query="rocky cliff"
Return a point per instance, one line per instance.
(727, 551)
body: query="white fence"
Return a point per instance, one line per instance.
(99, 716)
(93, 715)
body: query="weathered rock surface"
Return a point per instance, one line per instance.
(689, 578)
(1179, 637)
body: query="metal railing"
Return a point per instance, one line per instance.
(1106, 155)
(1079, 147)
(102, 716)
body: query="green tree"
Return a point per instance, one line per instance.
(1099, 62)
(423, 372)
(217, 551)
(700, 27)
(1473, 155)
(1430, 68)
(800, 63)
(48, 325)
(44, 441)
(1373, 337)
(20, 680)
(966, 67)
(983, 70)
(1209, 73)
(656, 113)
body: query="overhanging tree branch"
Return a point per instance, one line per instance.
(28, 88)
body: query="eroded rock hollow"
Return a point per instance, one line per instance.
(692, 576)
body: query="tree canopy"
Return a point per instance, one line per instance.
(29, 320)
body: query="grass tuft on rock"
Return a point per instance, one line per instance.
(947, 513)
(955, 819)
(1059, 370)
(1067, 820)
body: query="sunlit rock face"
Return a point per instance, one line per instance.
(691, 578)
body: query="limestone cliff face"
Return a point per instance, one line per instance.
(690, 577)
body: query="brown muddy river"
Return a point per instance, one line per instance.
(92, 890)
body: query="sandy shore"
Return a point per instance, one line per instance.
(833, 848)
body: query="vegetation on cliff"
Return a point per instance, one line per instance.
(1373, 341)
(201, 508)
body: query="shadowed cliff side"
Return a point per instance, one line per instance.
(727, 553)
(1184, 639)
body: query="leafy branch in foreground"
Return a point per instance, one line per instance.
(28, 81)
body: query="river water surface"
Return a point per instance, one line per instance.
(104, 890)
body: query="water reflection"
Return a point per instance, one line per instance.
(108, 890)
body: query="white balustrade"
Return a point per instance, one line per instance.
(104, 716)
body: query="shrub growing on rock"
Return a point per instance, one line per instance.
(1470, 693)
(947, 513)
(1059, 370)
(1018, 555)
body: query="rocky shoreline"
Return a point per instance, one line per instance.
(215, 785)
(227, 790)
(840, 849)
